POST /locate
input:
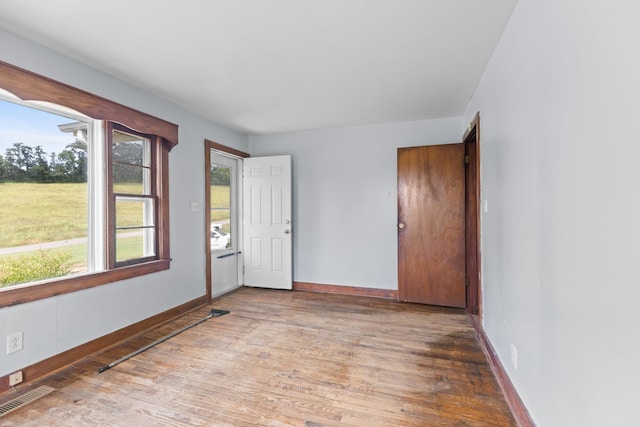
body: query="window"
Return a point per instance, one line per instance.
(221, 206)
(44, 207)
(133, 195)
(83, 189)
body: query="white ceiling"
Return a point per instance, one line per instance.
(266, 66)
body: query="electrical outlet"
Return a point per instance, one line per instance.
(15, 378)
(14, 342)
(514, 356)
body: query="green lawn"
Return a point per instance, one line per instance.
(40, 213)
(37, 213)
(220, 196)
(220, 199)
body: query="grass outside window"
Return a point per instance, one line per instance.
(44, 213)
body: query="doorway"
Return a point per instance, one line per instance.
(223, 203)
(247, 220)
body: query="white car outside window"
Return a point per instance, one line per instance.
(219, 239)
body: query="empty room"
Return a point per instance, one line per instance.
(319, 213)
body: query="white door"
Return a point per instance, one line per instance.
(267, 228)
(223, 233)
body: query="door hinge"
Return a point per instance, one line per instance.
(466, 159)
(466, 281)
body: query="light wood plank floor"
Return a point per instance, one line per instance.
(284, 358)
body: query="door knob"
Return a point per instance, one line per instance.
(287, 231)
(401, 225)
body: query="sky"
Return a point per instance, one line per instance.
(32, 127)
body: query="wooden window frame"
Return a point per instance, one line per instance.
(112, 261)
(29, 86)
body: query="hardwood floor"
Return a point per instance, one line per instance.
(283, 358)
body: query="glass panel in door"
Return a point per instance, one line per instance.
(221, 206)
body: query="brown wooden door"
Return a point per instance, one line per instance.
(431, 225)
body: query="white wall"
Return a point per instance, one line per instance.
(559, 103)
(345, 197)
(56, 324)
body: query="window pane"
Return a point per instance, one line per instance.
(43, 195)
(131, 158)
(130, 179)
(220, 188)
(134, 244)
(135, 231)
(131, 149)
(134, 212)
(220, 185)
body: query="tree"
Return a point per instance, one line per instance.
(124, 155)
(220, 175)
(3, 169)
(71, 166)
(39, 171)
(19, 157)
(22, 163)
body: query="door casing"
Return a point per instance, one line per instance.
(208, 146)
(471, 141)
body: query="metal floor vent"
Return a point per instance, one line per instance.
(24, 399)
